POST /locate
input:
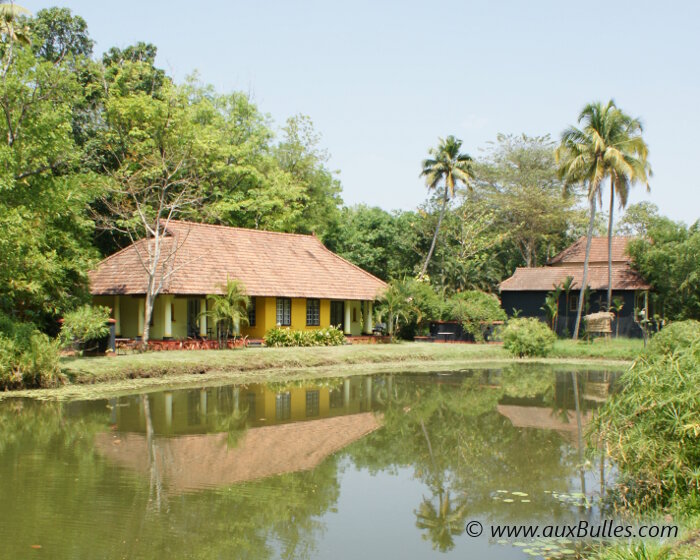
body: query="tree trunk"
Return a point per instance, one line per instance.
(147, 314)
(584, 280)
(435, 236)
(610, 225)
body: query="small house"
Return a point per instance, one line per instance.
(292, 280)
(525, 291)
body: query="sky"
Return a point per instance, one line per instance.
(383, 81)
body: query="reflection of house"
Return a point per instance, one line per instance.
(207, 461)
(276, 430)
(215, 409)
(527, 289)
(562, 422)
(293, 280)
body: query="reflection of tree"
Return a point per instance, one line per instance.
(442, 522)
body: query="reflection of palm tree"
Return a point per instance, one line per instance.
(442, 523)
(446, 521)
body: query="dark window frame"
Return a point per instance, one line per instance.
(313, 312)
(313, 403)
(252, 311)
(286, 311)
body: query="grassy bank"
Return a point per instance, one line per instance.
(158, 364)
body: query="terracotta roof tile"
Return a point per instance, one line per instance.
(267, 263)
(544, 278)
(576, 253)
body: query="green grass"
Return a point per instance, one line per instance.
(158, 364)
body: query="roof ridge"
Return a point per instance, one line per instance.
(252, 230)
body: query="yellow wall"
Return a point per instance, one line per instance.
(266, 315)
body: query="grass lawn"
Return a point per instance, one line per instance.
(185, 367)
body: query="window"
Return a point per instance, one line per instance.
(336, 398)
(251, 405)
(573, 302)
(283, 406)
(284, 311)
(251, 312)
(172, 312)
(354, 314)
(338, 313)
(312, 399)
(313, 312)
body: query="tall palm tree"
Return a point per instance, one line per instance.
(10, 25)
(608, 146)
(446, 164)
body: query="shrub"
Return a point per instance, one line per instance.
(328, 336)
(85, 325)
(673, 336)
(28, 358)
(475, 310)
(651, 428)
(527, 337)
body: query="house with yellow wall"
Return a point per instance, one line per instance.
(292, 280)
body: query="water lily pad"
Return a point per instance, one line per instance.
(502, 491)
(519, 494)
(525, 501)
(502, 541)
(567, 551)
(508, 501)
(519, 543)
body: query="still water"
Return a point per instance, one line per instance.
(383, 466)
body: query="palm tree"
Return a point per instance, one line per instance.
(607, 146)
(228, 310)
(396, 304)
(9, 14)
(446, 164)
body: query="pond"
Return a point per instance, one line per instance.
(380, 466)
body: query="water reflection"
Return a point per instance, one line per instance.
(271, 470)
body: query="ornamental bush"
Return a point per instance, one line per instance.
(527, 337)
(85, 325)
(28, 358)
(475, 310)
(328, 336)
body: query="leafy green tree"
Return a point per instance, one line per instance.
(669, 259)
(45, 235)
(519, 181)
(57, 33)
(13, 29)
(607, 146)
(448, 165)
(638, 219)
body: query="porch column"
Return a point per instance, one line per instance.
(117, 317)
(346, 393)
(168, 317)
(346, 326)
(203, 317)
(203, 403)
(368, 391)
(368, 317)
(141, 311)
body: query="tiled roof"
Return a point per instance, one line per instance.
(544, 278)
(576, 253)
(267, 263)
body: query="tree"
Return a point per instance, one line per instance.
(229, 310)
(57, 33)
(12, 28)
(450, 166)
(638, 219)
(607, 146)
(155, 183)
(669, 259)
(520, 183)
(45, 235)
